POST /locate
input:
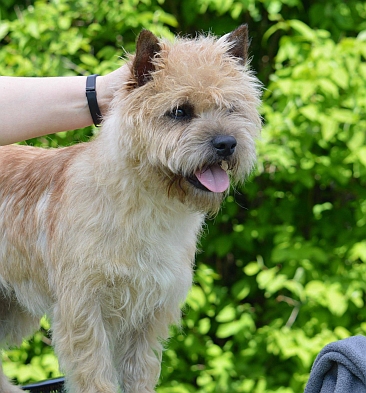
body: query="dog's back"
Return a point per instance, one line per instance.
(31, 182)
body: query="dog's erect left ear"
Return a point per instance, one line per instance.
(147, 47)
(240, 43)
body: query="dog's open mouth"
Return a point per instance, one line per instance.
(213, 178)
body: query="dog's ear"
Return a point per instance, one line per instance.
(239, 43)
(147, 47)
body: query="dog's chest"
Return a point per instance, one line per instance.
(153, 270)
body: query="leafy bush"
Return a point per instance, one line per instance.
(290, 249)
(282, 267)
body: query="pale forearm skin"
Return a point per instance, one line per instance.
(32, 107)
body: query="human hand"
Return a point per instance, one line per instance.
(107, 85)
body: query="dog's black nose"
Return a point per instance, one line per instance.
(224, 145)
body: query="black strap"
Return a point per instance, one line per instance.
(91, 96)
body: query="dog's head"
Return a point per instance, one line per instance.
(190, 115)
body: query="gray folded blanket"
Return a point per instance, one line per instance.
(340, 367)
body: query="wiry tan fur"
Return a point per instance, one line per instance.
(101, 236)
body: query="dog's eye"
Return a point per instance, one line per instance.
(179, 113)
(183, 112)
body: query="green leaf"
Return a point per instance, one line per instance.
(328, 87)
(358, 251)
(196, 298)
(227, 314)
(344, 115)
(337, 300)
(33, 29)
(252, 268)
(89, 60)
(330, 127)
(265, 277)
(310, 111)
(204, 326)
(242, 326)
(4, 29)
(306, 31)
(361, 154)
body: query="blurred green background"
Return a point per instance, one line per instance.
(283, 267)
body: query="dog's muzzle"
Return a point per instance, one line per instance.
(214, 178)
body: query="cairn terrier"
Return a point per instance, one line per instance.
(101, 236)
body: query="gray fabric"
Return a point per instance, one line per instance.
(340, 368)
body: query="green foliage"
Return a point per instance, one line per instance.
(291, 266)
(34, 360)
(282, 269)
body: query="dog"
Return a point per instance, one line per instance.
(101, 236)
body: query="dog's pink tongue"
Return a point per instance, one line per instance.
(214, 178)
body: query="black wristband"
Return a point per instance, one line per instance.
(91, 96)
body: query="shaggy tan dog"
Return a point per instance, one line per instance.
(101, 236)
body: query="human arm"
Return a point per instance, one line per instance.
(31, 107)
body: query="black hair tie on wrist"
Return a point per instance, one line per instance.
(91, 96)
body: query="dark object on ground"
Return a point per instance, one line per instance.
(50, 386)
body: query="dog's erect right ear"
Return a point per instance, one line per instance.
(147, 47)
(240, 43)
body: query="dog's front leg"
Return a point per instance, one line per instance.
(82, 345)
(138, 357)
